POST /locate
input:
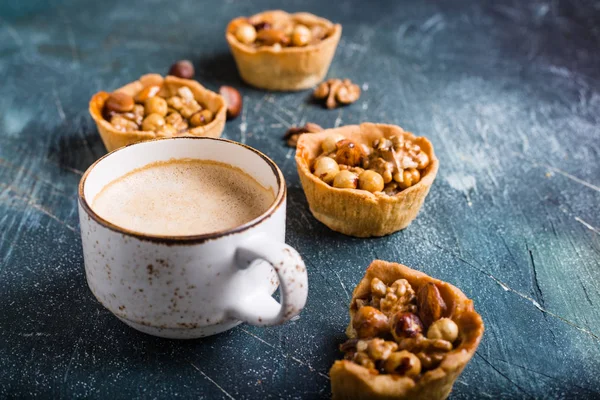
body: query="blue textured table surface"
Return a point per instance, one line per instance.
(508, 92)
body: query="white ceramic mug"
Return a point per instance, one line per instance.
(192, 286)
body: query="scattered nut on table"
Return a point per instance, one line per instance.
(233, 99)
(182, 69)
(337, 92)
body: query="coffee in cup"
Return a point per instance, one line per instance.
(183, 197)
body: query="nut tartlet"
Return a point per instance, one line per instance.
(410, 336)
(130, 127)
(390, 200)
(275, 50)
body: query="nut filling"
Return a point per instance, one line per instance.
(389, 166)
(400, 331)
(148, 110)
(278, 31)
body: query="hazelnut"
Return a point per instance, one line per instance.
(329, 144)
(119, 102)
(362, 345)
(156, 105)
(405, 325)
(326, 169)
(430, 303)
(245, 33)
(345, 180)
(443, 328)
(404, 363)
(182, 69)
(348, 153)
(370, 181)
(153, 122)
(370, 322)
(233, 99)
(201, 118)
(410, 177)
(146, 93)
(301, 35)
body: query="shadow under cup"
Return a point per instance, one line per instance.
(198, 285)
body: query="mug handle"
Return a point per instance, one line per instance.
(260, 308)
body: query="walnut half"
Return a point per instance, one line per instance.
(337, 92)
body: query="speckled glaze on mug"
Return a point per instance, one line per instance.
(192, 286)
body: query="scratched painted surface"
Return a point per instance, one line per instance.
(508, 93)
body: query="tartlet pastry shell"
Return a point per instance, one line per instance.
(352, 381)
(113, 138)
(357, 212)
(290, 68)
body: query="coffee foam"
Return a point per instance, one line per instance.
(183, 197)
